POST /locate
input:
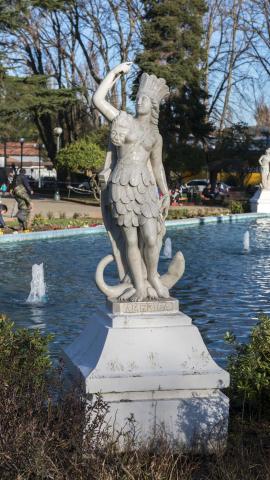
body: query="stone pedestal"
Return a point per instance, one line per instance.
(149, 361)
(260, 202)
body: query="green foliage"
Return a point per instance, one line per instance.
(100, 137)
(234, 151)
(180, 157)
(236, 207)
(249, 368)
(29, 108)
(171, 36)
(14, 13)
(30, 96)
(239, 207)
(193, 212)
(81, 155)
(24, 356)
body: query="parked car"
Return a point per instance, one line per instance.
(226, 188)
(197, 184)
(48, 184)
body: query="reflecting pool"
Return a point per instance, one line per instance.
(222, 289)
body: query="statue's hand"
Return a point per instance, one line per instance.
(165, 205)
(122, 68)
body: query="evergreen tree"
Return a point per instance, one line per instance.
(27, 101)
(171, 36)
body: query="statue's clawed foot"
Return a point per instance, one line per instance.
(127, 294)
(151, 293)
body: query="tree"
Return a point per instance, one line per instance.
(235, 150)
(262, 115)
(226, 60)
(171, 37)
(75, 42)
(82, 155)
(26, 99)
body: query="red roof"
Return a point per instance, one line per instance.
(14, 148)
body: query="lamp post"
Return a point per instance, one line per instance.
(21, 142)
(40, 146)
(52, 83)
(57, 132)
(5, 154)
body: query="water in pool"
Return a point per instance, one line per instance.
(222, 289)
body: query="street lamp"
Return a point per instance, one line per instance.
(21, 142)
(40, 146)
(52, 83)
(5, 154)
(57, 132)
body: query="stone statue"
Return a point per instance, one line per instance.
(132, 212)
(264, 162)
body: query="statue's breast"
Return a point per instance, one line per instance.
(144, 138)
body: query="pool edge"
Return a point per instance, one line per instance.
(70, 232)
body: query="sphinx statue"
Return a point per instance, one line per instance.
(133, 176)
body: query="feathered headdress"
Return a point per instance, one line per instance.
(155, 88)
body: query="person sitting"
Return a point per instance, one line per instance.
(3, 209)
(207, 192)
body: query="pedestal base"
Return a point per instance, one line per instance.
(155, 368)
(260, 202)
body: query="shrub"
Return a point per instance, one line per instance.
(62, 215)
(24, 357)
(47, 433)
(249, 368)
(76, 215)
(239, 207)
(81, 155)
(38, 218)
(50, 215)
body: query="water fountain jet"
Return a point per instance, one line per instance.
(38, 285)
(246, 242)
(167, 251)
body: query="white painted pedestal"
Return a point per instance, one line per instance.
(154, 365)
(260, 202)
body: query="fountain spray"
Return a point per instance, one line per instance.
(38, 285)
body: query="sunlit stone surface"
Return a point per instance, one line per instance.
(154, 367)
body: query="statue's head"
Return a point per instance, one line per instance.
(151, 92)
(120, 128)
(267, 151)
(143, 104)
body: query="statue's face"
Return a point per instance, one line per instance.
(118, 134)
(143, 105)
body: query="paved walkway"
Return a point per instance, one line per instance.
(44, 206)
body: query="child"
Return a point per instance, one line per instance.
(3, 209)
(3, 188)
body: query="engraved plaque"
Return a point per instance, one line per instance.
(169, 305)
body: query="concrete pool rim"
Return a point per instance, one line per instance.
(71, 232)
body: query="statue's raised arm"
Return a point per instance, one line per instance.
(99, 98)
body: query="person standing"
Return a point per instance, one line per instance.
(22, 192)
